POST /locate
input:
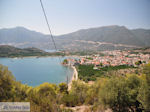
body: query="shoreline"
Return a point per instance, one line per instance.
(21, 57)
(74, 77)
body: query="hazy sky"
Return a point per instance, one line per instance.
(67, 16)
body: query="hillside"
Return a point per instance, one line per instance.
(20, 35)
(101, 38)
(142, 35)
(114, 93)
(144, 50)
(110, 34)
(10, 51)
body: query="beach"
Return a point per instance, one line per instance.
(74, 77)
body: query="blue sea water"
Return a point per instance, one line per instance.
(35, 71)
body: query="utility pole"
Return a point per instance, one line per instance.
(67, 80)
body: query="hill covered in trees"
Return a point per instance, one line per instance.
(10, 51)
(119, 93)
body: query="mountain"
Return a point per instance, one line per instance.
(111, 34)
(100, 38)
(107, 38)
(20, 34)
(22, 37)
(142, 35)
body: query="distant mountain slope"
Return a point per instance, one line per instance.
(101, 38)
(20, 34)
(111, 34)
(142, 35)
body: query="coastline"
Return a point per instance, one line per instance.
(18, 57)
(74, 77)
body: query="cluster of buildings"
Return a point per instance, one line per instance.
(113, 58)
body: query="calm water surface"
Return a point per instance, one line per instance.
(35, 71)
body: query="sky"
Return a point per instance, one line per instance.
(67, 16)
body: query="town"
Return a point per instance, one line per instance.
(111, 58)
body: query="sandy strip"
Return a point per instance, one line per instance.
(74, 77)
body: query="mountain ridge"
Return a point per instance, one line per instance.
(22, 37)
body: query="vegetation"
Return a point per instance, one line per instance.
(121, 93)
(143, 50)
(138, 62)
(65, 62)
(43, 98)
(89, 58)
(87, 73)
(9, 51)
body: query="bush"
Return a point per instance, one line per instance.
(63, 88)
(70, 100)
(7, 82)
(130, 92)
(120, 93)
(144, 91)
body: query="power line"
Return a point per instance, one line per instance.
(49, 27)
(51, 33)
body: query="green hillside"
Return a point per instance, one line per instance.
(118, 93)
(10, 51)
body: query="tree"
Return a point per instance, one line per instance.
(144, 91)
(144, 95)
(79, 89)
(120, 93)
(114, 94)
(101, 64)
(45, 97)
(65, 62)
(63, 88)
(6, 84)
(70, 100)
(138, 62)
(146, 70)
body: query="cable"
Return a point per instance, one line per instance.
(51, 33)
(49, 27)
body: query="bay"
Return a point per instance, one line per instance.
(35, 71)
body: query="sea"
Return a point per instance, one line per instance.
(34, 71)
